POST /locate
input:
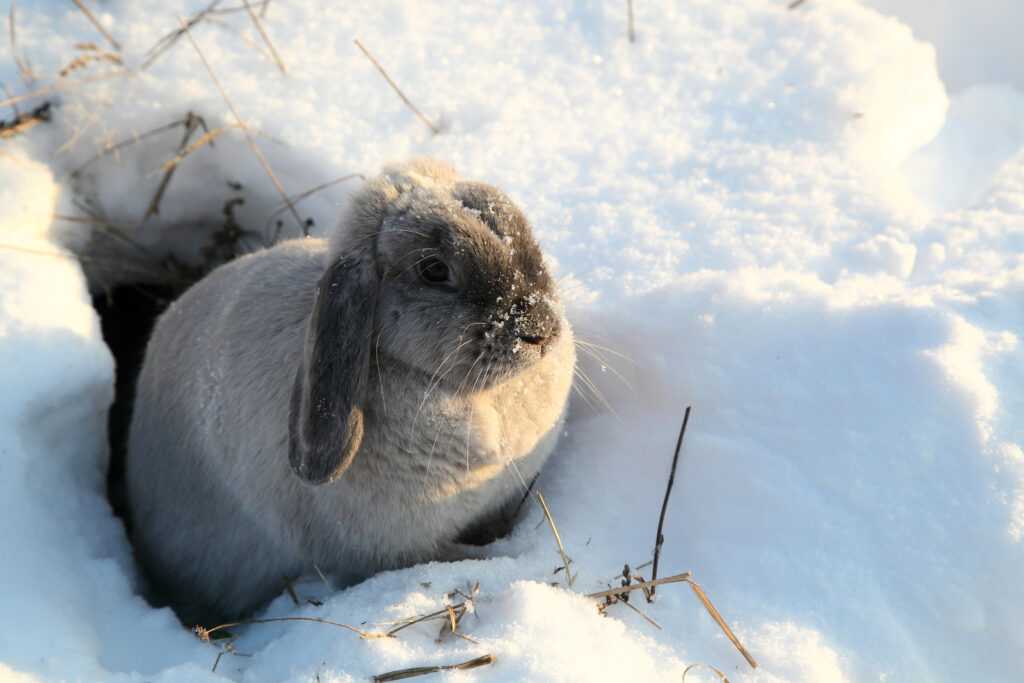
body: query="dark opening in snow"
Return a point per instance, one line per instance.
(127, 314)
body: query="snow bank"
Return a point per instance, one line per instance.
(746, 206)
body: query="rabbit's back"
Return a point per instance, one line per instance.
(201, 492)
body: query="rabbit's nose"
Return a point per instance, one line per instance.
(539, 327)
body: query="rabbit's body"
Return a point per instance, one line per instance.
(220, 519)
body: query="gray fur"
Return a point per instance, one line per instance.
(318, 404)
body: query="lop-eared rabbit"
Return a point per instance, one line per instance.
(352, 404)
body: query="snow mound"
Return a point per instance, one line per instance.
(751, 210)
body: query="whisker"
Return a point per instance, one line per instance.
(589, 383)
(605, 365)
(606, 349)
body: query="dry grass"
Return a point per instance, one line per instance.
(266, 38)
(246, 132)
(91, 54)
(97, 25)
(402, 674)
(621, 594)
(721, 676)
(566, 562)
(435, 129)
(24, 122)
(206, 634)
(24, 68)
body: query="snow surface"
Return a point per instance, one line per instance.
(777, 216)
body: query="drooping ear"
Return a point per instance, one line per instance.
(325, 421)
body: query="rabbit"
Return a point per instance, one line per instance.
(347, 405)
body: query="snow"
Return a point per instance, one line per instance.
(808, 224)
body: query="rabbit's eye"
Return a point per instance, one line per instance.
(433, 271)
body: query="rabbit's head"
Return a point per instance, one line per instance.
(438, 275)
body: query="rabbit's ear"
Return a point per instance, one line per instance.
(325, 421)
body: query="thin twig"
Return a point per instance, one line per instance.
(702, 596)
(63, 84)
(636, 609)
(721, 676)
(659, 539)
(70, 257)
(529, 490)
(629, 12)
(23, 66)
(401, 674)
(678, 578)
(263, 34)
(191, 123)
(569, 578)
(206, 138)
(125, 143)
(204, 633)
(796, 3)
(303, 195)
(435, 129)
(23, 122)
(171, 38)
(420, 619)
(685, 577)
(245, 130)
(14, 106)
(82, 61)
(99, 27)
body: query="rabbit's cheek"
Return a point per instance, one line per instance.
(486, 429)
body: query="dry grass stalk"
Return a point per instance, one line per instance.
(702, 596)
(566, 562)
(394, 86)
(207, 13)
(685, 577)
(206, 138)
(796, 3)
(245, 131)
(263, 34)
(23, 122)
(721, 676)
(62, 85)
(303, 195)
(73, 257)
(83, 60)
(526, 494)
(135, 139)
(443, 613)
(24, 68)
(402, 674)
(659, 539)
(646, 618)
(629, 12)
(191, 123)
(96, 24)
(14, 106)
(204, 634)
(168, 41)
